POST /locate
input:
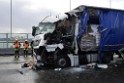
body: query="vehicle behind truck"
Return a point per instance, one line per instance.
(85, 35)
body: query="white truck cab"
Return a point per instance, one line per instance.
(43, 49)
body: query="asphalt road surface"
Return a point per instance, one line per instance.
(10, 73)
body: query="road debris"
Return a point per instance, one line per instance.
(102, 66)
(57, 69)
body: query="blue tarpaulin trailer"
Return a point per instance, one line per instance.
(111, 26)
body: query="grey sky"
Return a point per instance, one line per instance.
(27, 13)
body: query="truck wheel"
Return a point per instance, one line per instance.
(107, 57)
(62, 61)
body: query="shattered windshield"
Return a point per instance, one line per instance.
(45, 28)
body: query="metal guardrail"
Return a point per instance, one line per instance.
(7, 39)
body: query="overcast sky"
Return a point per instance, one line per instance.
(26, 13)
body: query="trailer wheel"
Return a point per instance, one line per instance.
(107, 57)
(62, 60)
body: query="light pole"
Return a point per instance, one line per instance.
(70, 4)
(110, 3)
(11, 17)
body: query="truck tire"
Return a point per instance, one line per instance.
(107, 57)
(61, 60)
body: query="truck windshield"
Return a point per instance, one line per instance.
(45, 28)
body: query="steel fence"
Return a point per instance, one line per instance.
(7, 39)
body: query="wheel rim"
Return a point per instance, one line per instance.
(62, 62)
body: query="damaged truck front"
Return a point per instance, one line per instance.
(87, 34)
(48, 42)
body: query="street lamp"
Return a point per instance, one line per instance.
(110, 3)
(70, 4)
(11, 17)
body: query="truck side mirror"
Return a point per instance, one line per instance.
(33, 30)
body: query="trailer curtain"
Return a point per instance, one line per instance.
(111, 27)
(84, 20)
(112, 30)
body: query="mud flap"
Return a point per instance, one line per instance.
(107, 57)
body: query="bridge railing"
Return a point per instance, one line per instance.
(7, 39)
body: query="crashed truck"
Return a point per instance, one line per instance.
(84, 35)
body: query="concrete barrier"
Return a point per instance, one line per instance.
(11, 51)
